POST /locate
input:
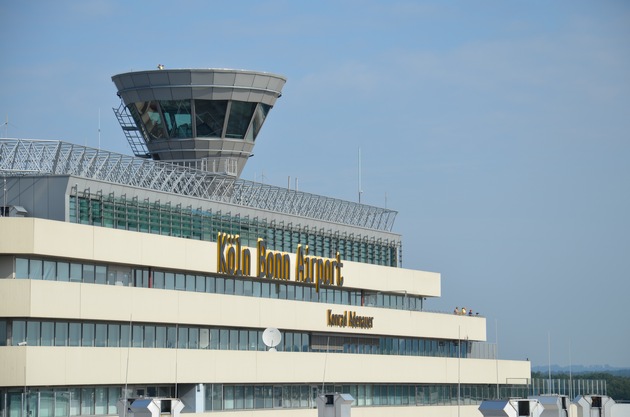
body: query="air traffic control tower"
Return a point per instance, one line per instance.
(206, 119)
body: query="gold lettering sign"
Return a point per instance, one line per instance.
(233, 259)
(349, 319)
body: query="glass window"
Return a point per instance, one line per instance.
(290, 292)
(87, 401)
(229, 286)
(148, 114)
(239, 397)
(210, 116)
(88, 273)
(125, 335)
(177, 117)
(201, 283)
(100, 274)
(217, 397)
(171, 336)
(224, 339)
(32, 333)
(243, 340)
(3, 334)
(259, 117)
(149, 336)
(268, 395)
(62, 403)
(239, 287)
(182, 337)
(170, 281)
(266, 290)
(259, 397)
(233, 339)
(160, 336)
(100, 403)
(114, 394)
(18, 332)
(63, 271)
(87, 338)
(220, 285)
(46, 404)
(204, 338)
(180, 282)
(190, 282)
(21, 268)
(193, 338)
(158, 279)
(35, 269)
(74, 334)
(249, 397)
(257, 292)
(113, 335)
(288, 342)
(48, 333)
(253, 340)
(210, 284)
(76, 271)
(277, 396)
(228, 397)
(50, 273)
(214, 338)
(240, 115)
(248, 288)
(137, 335)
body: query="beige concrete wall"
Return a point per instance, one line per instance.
(66, 300)
(100, 244)
(91, 365)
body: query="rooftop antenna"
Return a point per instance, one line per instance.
(5, 211)
(271, 338)
(549, 359)
(360, 190)
(99, 128)
(496, 359)
(6, 126)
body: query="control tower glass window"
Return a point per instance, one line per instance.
(210, 117)
(177, 117)
(241, 113)
(148, 114)
(259, 118)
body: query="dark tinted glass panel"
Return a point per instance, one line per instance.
(177, 118)
(259, 118)
(240, 115)
(209, 117)
(148, 114)
(3, 333)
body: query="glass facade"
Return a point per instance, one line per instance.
(170, 336)
(173, 119)
(174, 220)
(101, 400)
(62, 270)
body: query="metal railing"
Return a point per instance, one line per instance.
(43, 157)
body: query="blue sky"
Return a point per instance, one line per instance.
(500, 132)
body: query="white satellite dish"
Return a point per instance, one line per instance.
(271, 337)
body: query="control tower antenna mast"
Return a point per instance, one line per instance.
(360, 190)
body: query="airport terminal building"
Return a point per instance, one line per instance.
(156, 275)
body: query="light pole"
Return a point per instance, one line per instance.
(24, 399)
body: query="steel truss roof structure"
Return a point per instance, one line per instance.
(43, 157)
